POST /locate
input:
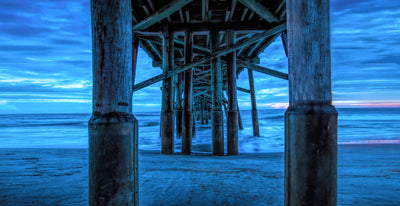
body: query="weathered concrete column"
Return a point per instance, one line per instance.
(232, 97)
(112, 127)
(311, 120)
(216, 91)
(254, 113)
(167, 110)
(178, 108)
(187, 98)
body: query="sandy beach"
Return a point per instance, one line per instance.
(367, 175)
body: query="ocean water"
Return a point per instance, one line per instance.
(356, 126)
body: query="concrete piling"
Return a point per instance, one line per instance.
(216, 91)
(310, 120)
(167, 113)
(232, 130)
(113, 130)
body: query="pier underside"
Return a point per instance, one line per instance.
(201, 47)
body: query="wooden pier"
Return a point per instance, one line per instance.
(201, 46)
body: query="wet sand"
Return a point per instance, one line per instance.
(367, 175)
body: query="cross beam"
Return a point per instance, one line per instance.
(220, 53)
(243, 90)
(260, 10)
(161, 14)
(264, 70)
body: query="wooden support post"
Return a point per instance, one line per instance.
(240, 123)
(207, 116)
(194, 127)
(113, 130)
(187, 100)
(216, 91)
(232, 130)
(202, 105)
(167, 113)
(310, 120)
(254, 113)
(135, 47)
(178, 107)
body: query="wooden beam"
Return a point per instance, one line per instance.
(201, 28)
(231, 48)
(148, 82)
(155, 49)
(264, 70)
(244, 14)
(233, 6)
(264, 45)
(161, 14)
(145, 47)
(284, 42)
(135, 47)
(260, 10)
(280, 6)
(254, 47)
(196, 48)
(179, 44)
(243, 90)
(254, 113)
(217, 54)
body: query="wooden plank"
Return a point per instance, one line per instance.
(260, 10)
(264, 70)
(161, 14)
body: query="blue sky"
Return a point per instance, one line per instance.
(45, 58)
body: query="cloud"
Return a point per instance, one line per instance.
(45, 55)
